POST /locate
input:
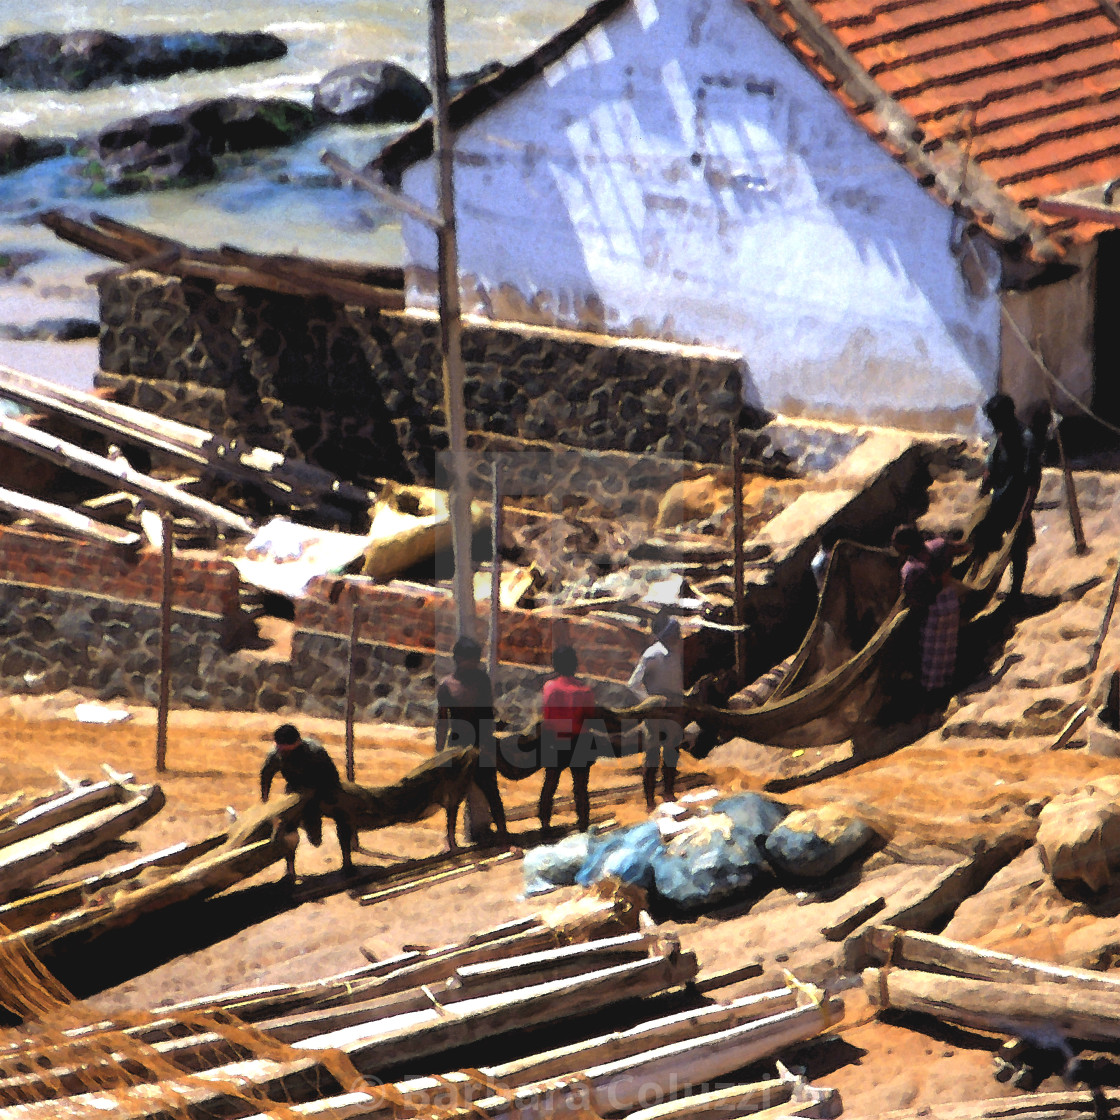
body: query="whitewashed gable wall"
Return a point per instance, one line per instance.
(679, 175)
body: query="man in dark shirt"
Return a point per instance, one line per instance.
(465, 715)
(307, 769)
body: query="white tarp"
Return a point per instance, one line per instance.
(284, 557)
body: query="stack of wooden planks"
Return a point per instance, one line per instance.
(321, 1049)
(58, 831)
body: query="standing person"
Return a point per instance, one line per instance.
(567, 704)
(660, 672)
(1035, 439)
(306, 768)
(940, 627)
(1005, 478)
(465, 713)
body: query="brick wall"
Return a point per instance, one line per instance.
(201, 582)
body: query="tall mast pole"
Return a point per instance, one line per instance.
(450, 328)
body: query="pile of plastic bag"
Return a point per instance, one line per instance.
(704, 849)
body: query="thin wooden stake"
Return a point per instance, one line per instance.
(350, 674)
(1106, 621)
(450, 324)
(1079, 545)
(168, 548)
(495, 569)
(737, 504)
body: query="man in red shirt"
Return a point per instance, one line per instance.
(568, 705)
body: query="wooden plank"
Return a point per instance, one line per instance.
(404, 1038)
(120, 474)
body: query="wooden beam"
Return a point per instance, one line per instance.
(931, 953)
(121, 475)
(1045, 1008)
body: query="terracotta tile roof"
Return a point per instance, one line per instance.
(1027, 92)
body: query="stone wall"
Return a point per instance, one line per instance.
(360, 392)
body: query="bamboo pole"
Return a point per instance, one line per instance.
(168, 553)
(450, 323)
(1080, 547)
(495, 568)
(740, 590)
(122, 475)
(1106, 621)
(351, 658)
(397, 889)
(59, 517)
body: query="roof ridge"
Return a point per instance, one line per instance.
(417, 143)
(957, 177)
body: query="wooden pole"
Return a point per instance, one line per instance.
(168, 545)
(350, 661)
(1106, 621)
(737, 505)
(1079, 545)
(450, 324)
(495, 569)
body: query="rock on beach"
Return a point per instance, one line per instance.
(81, 60)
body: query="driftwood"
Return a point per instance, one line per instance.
(1044, 1008)
(59, 517)
(930, 953)
(134, 247)
(120, 474)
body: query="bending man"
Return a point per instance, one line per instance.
(307, 769)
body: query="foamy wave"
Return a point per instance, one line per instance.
(306, 26)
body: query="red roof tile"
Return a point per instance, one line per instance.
(1028, 90)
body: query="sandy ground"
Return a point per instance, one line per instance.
(937, 790)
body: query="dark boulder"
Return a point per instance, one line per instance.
(371, 93)
(18, 151)
(178, 146)
(80, 60)
(459, 82)
(239, 124)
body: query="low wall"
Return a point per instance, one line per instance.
(361, 392)
(86, 616)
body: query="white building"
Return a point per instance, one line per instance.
(857, 197)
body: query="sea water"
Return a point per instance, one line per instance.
(280, 200)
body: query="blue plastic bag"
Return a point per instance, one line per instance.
(555, 865)
(624, 855)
